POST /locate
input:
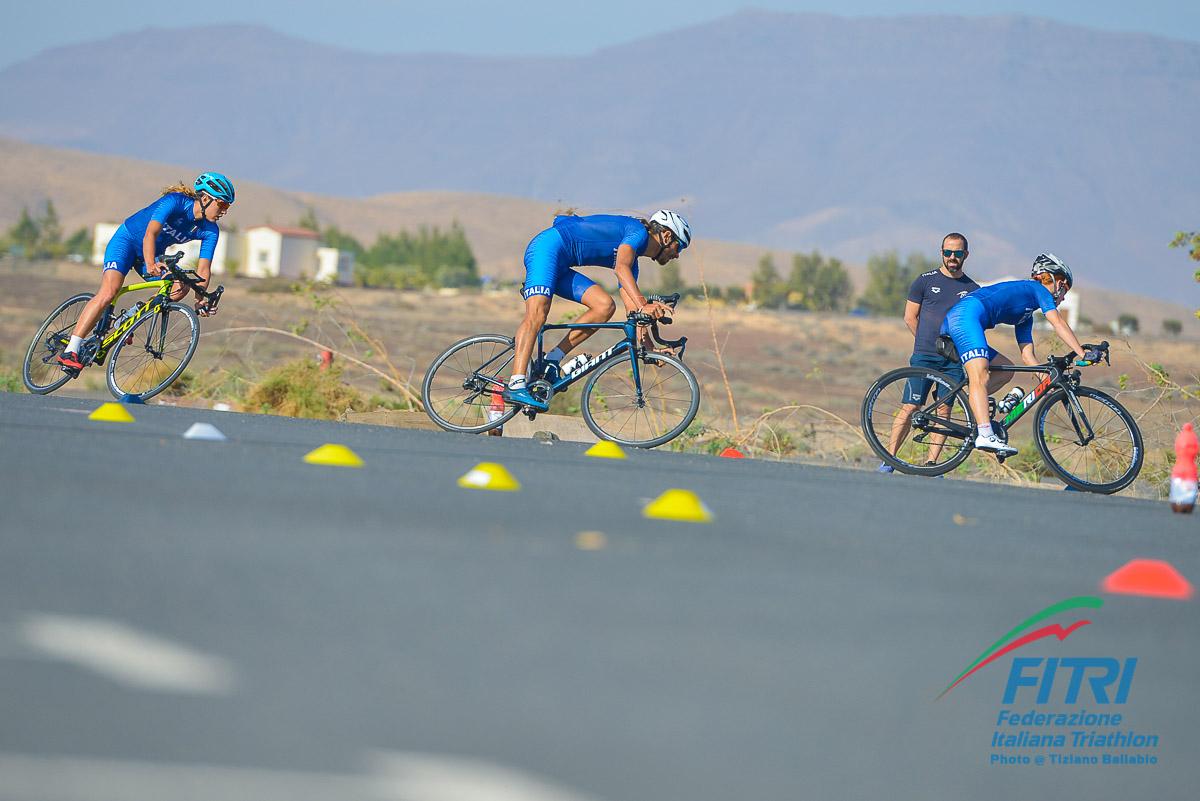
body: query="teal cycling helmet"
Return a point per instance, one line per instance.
(215, 185)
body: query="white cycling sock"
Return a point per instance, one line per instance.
(985, 430)
(555, 355)
(74, 345)
(517, 381)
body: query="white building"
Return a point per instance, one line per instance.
(273, 251)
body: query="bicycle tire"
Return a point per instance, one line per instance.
(1070, 475)
(138, 372)
(443, 400)
(36, 375)
(690, 407)
(888, 391)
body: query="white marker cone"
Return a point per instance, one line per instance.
(204, 431)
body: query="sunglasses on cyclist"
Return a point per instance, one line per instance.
(958, 254)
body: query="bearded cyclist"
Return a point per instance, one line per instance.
(598, 240)
(182, 214)
(1012, 303)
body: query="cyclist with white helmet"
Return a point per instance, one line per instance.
(1012, 303)
(598, 240)
(183, 213)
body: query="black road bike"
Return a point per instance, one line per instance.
(1086, 437)
(633, 396)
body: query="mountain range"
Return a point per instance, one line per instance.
(792, 131)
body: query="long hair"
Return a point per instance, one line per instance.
(183, 188)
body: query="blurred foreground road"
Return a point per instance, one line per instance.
(204, 620)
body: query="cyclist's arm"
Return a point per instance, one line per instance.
(631, 296)
(203, 271)
(912, 314)
(153, 229)
(1064, 332)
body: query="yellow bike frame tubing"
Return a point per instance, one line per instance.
(163, 286)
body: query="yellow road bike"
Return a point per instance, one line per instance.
(148, 345)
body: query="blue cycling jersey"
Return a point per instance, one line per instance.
(592, 241)
(175, 211)
(1013, 303)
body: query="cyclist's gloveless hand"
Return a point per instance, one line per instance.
(204, 309)
(156, 269)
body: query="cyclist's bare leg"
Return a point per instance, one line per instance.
(600, 309)
(998, 378)
(900, 426)
(936, 441)
(977, 388)
(537, 308)
(110, 285)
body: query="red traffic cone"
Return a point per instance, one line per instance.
(732, 453)
(496, 411)
(1183, 475)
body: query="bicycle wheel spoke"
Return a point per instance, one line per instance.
(1110, 459)
(666, 405)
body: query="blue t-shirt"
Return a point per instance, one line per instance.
(592, 241)
(179, 224)
(936, 292)
(1013, 303)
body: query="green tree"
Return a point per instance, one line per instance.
(1127, 323)
(335, 237)
(79, 243)
(888, 280)
(49, 242)
(23, 236)
(818, 284)
(308, 220)
(1191, 241)
(1172, 327)
(767, 288)
(735, 294)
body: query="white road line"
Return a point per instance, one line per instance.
(392, 776)
(127, 655)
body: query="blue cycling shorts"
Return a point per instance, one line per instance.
(123, 252)
(916, 390)
(548, 269)
(964, 324)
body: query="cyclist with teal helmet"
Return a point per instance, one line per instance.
(183, 213)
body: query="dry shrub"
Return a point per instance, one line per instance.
(302, 389)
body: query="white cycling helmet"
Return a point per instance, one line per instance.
(1049, 263)
(674, 223)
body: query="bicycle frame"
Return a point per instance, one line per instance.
(1055, 377)
(626, 345)
(164, 288)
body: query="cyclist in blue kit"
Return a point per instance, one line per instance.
(183, 213)
(1012, 303)
(598, 240)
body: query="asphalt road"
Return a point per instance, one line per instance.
(196, 620)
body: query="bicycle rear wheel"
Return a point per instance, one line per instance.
(154, 352)
(462, 387)
(1110, 461)
(926, 439)
(41, 372)
(668, 403)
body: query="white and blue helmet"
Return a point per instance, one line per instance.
(676, 224)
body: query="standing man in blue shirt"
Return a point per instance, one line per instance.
(929, 298)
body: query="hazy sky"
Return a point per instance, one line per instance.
(516, 26)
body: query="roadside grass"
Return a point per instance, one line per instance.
(302, 389)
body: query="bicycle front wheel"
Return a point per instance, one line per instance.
(462, 387)
(1109, 461)
(154, 352)
(668, 401)
(915, 421)
(41, 372)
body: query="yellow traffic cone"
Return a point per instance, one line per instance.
(111, 413)
(605, 449)
(490, 476)
(333, 455)
(678, 504)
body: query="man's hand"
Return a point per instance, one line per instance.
(156, 269)
(656, 310)
(204, 308)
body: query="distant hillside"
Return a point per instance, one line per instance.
(89, 188)
(793, 130)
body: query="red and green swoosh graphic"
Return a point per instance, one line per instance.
(1006, 644)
